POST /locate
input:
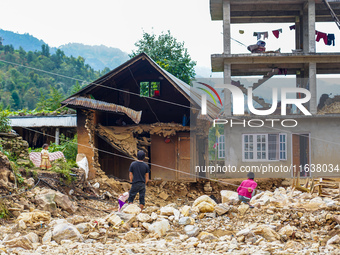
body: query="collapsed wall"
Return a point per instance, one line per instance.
(130, 139)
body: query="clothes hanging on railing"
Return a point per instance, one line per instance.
(277, 32)
(330, 39)
(321, 35)
(259, 35)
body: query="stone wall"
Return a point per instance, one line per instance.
(17, 147)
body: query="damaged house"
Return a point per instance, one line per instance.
(140, 106)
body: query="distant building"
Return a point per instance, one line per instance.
(37, 130)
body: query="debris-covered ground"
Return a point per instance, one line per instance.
(49, 215)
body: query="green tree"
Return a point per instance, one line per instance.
(50, 102)
(45, 50)
(75, 88)
(4, 123)
(16, 100)
(170, 54)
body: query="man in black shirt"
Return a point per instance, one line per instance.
(139, 176)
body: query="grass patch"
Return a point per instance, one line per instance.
(63, 168)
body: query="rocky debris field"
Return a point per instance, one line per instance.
(284, 221)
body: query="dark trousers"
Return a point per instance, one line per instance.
(138, 187)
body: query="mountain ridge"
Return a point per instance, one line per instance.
(97, 56)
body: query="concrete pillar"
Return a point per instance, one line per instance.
(227, 77)
(227, 113)
(297, 32)
(305, 31)
(57, 133)
(227, 93)
(311, 26)
(226, 27)
(312, 88)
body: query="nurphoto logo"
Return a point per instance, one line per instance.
(239, 105)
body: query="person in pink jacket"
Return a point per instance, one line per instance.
(247, 189)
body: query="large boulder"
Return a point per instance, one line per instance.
(204, 204)
(45, 200)
(191, 230)
(132, 209)
(66, 231)
(49, 199)
(21, 241)
(143, 217)
(229, 197)
(204, 198)
(205, 207)
(268, 233)
(114, 220)
(221, 209)
(65, 203)
(159, 228)
(167, 211)
(287, 230)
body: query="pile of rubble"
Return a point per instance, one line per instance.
(285, 221)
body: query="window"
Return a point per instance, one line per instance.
(263, 147)
(149, 88)
(221, 147)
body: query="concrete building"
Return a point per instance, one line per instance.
(316, 138)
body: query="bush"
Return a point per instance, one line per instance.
(68, 146)
(4, 123)
(63, 168)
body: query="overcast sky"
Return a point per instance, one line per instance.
(120, 23)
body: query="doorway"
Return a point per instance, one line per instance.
(301, 154)
(183, 160)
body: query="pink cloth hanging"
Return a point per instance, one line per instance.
(277, 32)
(323, 36)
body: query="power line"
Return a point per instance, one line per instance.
(130, 158)
(98, 84)
(124, 91)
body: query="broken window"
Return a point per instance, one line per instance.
(150, 88)
(263, 147)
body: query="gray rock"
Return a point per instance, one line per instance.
(191, 230)
(65, 231)
(184, 221)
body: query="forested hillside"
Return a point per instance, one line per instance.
(21, 87)
(97, 56)
(26, 41)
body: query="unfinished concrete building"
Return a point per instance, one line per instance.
(140, 106)
(316, 139)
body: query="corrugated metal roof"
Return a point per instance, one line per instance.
(44, 121)
(103, 106)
